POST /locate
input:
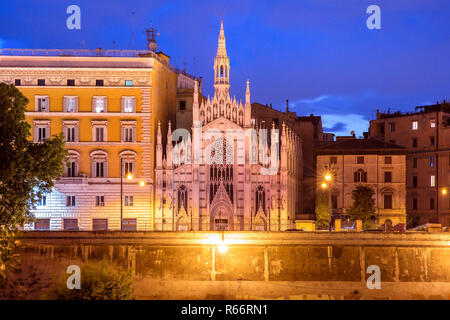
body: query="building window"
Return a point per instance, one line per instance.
(431, 203)
(99, 130)
(392, 126)
(431, 161)
(17, 82)
(129, 201)
(182, 198)
(99, 224)
(70, 104)
(128, 132)
(360, 160)
(41, 82)
(414, 181)
(414, 204)
(71, 201)
(129, 224)
(99, 104)
(432, 181)
(360, 176)
(42, 202)
(42, 133)
(42, 103)
(432, 123)
(388, 201)
(415, 125)
(70, 82)
(414, 142)
(381, 127)
(128, 104)
(387, 160)
(432, 141)
(128, 83)
(388, 176)
(333, 160)
(182, 105)
(42, 224)
(99, 201)
(334, 201)
(99, 82)
(70, 224)
(415, 163)
(70, 128)
(99, 162)
(72, 164)
(128, 162)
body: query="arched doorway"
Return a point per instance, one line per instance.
(221, 218)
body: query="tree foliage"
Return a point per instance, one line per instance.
(322, 211)
(27, 169)
(99, 281)
(363, 203)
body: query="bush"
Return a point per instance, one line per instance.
(99, 281)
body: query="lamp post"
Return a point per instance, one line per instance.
(328, 178)
(129, 177)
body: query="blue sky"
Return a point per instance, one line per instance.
(318, 54)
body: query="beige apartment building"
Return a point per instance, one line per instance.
(369, 162)
(426, 135)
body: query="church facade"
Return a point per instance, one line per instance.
(226, 173)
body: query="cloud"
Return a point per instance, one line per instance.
(343, 124)
(338, 126)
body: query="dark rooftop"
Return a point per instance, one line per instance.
(358, 146)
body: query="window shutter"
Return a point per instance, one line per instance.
(134, 104)
(93, 173)
(355, 176)
(122, 104)
(105, 168)
(94, 99)
(76, 104)
(64, 104)
(134, 134)
(105, 99)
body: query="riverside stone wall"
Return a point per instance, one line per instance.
(281, 265)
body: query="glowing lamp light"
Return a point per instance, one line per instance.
(328, 177)
(444, 191)
(324, 185)
(222, 248)
(129, 176)
(142, 183)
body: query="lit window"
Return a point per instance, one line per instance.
(432, 123)
(415, 125)
(433, 181)
(99, 105)
(42, 104)
(128, 104)
(71, 104)
(129, 83)
(431, 161)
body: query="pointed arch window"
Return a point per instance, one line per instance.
(182, 198)
(260, 198)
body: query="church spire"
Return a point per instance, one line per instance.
(221, 66)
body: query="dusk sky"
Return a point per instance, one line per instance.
(318, 54)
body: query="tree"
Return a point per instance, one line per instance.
(28, 169)
(363, 203)
(322, 212)
(99, 281)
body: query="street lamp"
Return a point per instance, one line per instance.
(129, 177)
(328, 177)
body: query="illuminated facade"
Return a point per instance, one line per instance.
(225, 180)
(106, 106)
